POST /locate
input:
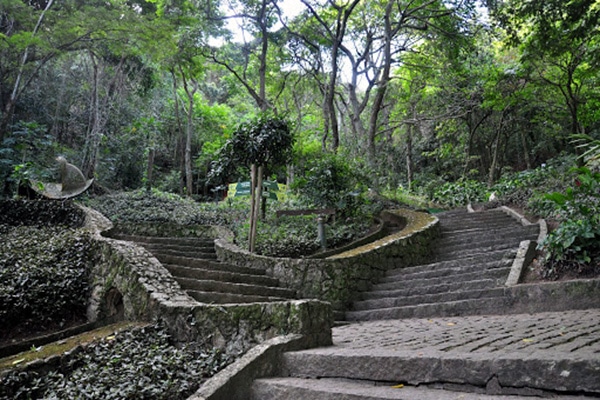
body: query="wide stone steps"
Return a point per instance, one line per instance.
(473, 251)
(444, 287)
(440, 308)
(453, 236)
(230, 298)
(193, 263)
(291, 388)
(509, 238)
(190, 253)
(212, 264)
(442, 331)
(446, 268)
(471, 273)
(185, 241)
(205, 248)
(419, 299)
(233, 288)
(468, 267)
(435, 372)
(221, 275)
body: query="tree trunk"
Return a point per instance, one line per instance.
(94, 125)
(257, 202)
(383, 82)
(525, 148)
(150, 167)
(409, 160)
(496, 154)
(190, 91)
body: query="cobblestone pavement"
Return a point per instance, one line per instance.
(570, 334)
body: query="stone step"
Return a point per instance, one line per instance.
(468, 253)
(481, 223)
(230, 298)
(441, 249)
(481, 306)
(462, 215)
(475, 235)
(445, 287)
(158, 247)
(188, 254)
(488, 227)
(208, 264)
(392, 302)
(496, 256)
(542, 355)
(220, 275)
(289, 388)
(189, 284)
(443, 269)
(202, 242)
(500, 274)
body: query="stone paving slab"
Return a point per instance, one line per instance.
(574, 333)
(545, 351)
(340, 389)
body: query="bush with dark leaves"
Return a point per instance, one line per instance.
(40, 213)
(44, 274)
(155, 206)
(141, 363)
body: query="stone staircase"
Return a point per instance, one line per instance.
(466, 275)
(436, 331)
(193, 263)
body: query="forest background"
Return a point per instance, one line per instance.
(447, 100)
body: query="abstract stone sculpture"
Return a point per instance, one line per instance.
(72, 183)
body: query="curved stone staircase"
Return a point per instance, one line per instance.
(444, 330)
(468, 268)
(193, 263)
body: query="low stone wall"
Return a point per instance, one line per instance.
(339, 279)
(147, 292)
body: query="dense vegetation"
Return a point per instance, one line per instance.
(44, 266)
(417, 101)
(141, 363)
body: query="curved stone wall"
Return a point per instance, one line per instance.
(338, 279)
(149, 292)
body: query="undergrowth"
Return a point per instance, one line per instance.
(141, 363)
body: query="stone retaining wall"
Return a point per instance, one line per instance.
(149, 292)
(338, 279)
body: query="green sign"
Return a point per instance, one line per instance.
(271, 189)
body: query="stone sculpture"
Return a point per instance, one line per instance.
(72, 182)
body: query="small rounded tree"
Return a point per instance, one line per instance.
(265, 141)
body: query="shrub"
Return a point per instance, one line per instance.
(41, 213)
(156, 206)
(460, 193)
(329, 182)
(575, 245)
(43, 275)
(140, 363)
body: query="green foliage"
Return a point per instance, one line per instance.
(460, 193)
(297, 236)
(156, 206)
(575, 245)
(265, 140)
(140, 363)
(43, 274)
(591, 149)
(330, 181)
(27, 153)
(41, 213)
(523, 188)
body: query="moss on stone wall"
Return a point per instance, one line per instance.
(340, 278)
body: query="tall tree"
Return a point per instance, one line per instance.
(560, 42)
